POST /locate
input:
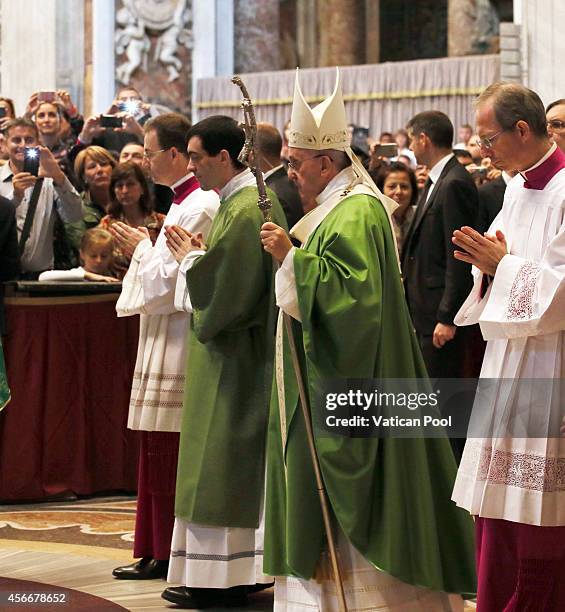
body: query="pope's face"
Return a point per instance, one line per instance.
(304, 169)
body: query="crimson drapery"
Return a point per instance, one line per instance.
(70, 365)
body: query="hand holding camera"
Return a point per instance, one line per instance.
(91, 129)
(64, 98)
(130, 125)
(20, 182)
(32, 105)
(49, 167)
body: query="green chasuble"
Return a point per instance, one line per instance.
(221, 467)
(4, 389)
(390, 496)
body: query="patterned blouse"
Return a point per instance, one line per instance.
(153, 222)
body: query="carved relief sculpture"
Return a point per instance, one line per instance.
(153, 41)
(169, 19)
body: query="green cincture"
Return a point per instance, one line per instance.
(391, 497)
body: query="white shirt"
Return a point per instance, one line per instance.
(38, 251)
(436, 171)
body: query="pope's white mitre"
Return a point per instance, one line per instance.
(321, 127)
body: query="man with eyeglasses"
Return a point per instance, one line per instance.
(159, 375)
(555, 114)
(343, 290)
(511, 472)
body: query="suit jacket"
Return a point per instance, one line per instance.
(436, 283)
(287, 194)
(491, 196)
(9, 256)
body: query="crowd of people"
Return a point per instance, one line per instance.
(393, 259)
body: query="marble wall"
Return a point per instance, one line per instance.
(256, 35)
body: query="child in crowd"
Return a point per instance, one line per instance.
(96, 255)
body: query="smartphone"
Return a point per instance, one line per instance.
(474, 169)
(110, 121)
(389, 149)
(31, 160)
(2, 112)
(129, 106)
(46, 96)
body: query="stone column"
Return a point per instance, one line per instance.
(342, 32)
(472, 27)
(256, 35)
(70, 49)
(27, 49)
(372, 31)
(306, 33)
(103, 59)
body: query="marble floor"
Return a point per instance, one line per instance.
(75, 545)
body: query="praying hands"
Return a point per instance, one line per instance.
(483, 252)
(128, 237)
(181, 243)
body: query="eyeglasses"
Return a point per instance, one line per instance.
(295, 164)
(147, 154)
(487, 143)
(555, 124)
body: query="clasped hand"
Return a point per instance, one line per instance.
(181, 242)
(483, 252)
(128, 237)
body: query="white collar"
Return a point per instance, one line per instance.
(267, 174)
(546, 156)
(237, 183)
(6, 171)
(436, 171)
(330, 197)
(506, 177)
(181, 180)
(340, 181)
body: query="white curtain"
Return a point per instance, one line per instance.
(382, 97)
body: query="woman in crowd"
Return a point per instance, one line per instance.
(398, 181)
(48, 117)
(93, 170)
(7, 112)
(132, 204)
(403, 142)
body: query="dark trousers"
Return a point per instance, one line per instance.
(458, 358)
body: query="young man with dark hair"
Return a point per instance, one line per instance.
(158, 384)
(436, 284)
(56, 195)
(227, 284)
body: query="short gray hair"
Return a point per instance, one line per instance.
(339, 158)
(513, 102)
